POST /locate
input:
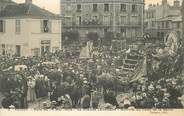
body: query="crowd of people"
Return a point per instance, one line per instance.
(71, 82)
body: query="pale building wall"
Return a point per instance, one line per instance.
(30, 36)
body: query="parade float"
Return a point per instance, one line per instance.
(165, 60)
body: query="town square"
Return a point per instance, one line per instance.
(93, 54)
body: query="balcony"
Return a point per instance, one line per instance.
(87, 24)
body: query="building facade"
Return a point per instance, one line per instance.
(160, 19)
(120, 16)
(27, 30)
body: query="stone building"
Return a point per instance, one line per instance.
(160, 19)
(28, 30)
(120, 16)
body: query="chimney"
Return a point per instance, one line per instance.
(177, 3)
(164, 2)
(150, 5)
(28, 1)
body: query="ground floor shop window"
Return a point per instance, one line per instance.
(18, 50)
(3, 49)
(45, 47)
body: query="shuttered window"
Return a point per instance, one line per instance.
(17, 26)
(46, 26)
(2, 26)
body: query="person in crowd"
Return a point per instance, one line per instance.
(31, 93)
(110, 98)
(85, 101)
(66, 101)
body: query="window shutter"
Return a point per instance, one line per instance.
(41, 26)
(50, 26)
(4, 26)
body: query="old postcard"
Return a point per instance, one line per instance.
(125, 57)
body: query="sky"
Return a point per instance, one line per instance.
(53, 5)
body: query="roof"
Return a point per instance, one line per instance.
(9, 1)
(26, 10)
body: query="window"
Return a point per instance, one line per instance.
(95, 18)
(95, 8)
(123, 32)
(105, 30)
(3, 49)
(158, 34)
(123, 20)
(134, 8)
(153, 23)
(162, 34)
(178, 24)
(134, 20)
(69, 7)
(133, 32)
(106, 7)
(2, 26)
(45, 47)
(18, 50)
(158, 25)
(79, 20)
(17, 26)
(78, 8)
(46, 26)
(123, 8)
(68, 21)
(162, 24)
(106, 20)
(167, 24)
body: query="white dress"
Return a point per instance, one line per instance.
(31, 94)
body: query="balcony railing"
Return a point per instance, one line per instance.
(97, 23)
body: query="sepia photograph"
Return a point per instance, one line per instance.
(91, 55)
